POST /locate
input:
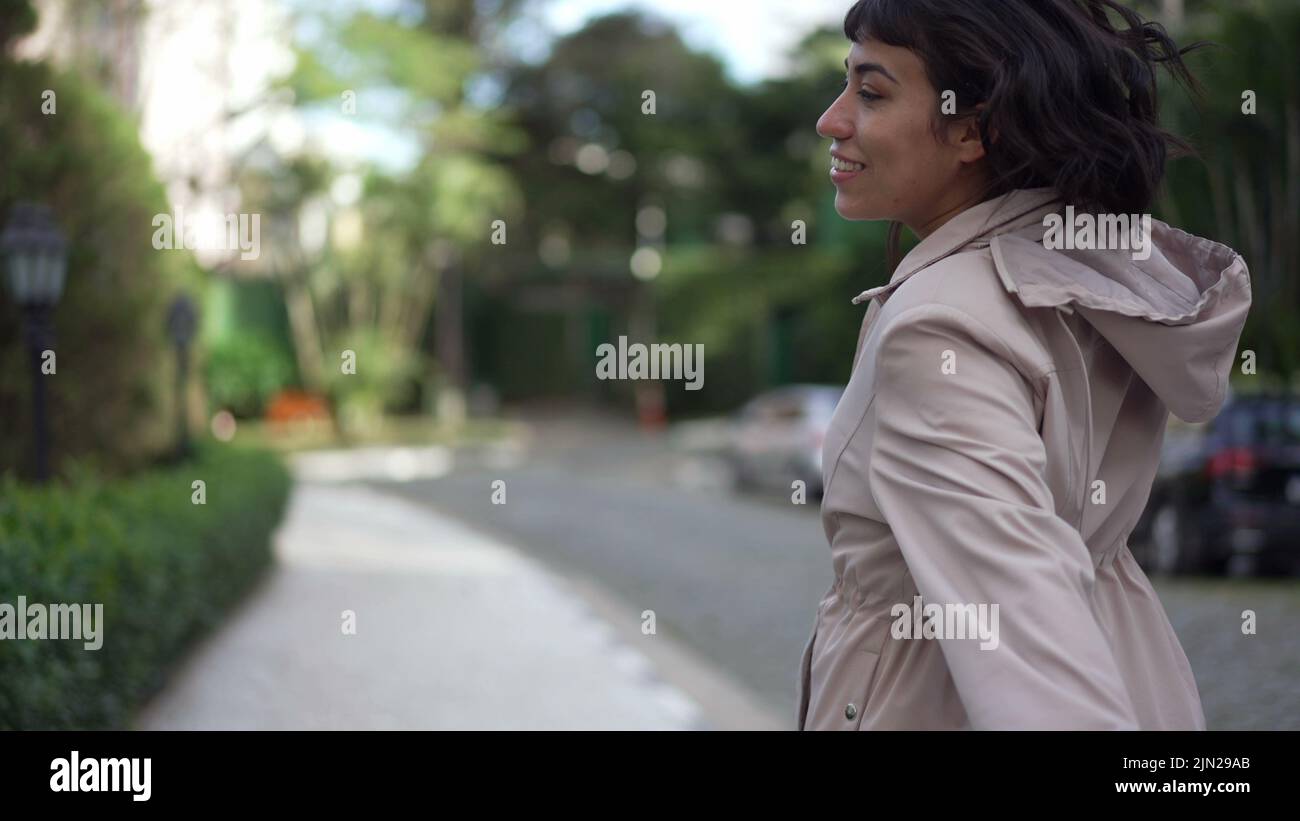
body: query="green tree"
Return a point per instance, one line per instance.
(406, 72)
(1246, 192)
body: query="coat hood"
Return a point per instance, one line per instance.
(1176, 316)
(1173, 307)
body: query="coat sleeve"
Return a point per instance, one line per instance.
(957, 470)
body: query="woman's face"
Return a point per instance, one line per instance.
(887, 162)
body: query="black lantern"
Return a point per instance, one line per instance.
(182, 319)
(35, 254)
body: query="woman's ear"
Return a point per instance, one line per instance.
(970, 146)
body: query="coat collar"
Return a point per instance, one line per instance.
(974, 227)
(1176, 316)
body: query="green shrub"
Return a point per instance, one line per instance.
(244, 371)
(165, 570)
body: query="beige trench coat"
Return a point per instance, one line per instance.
(996, 444)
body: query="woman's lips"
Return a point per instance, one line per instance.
(844, 169)
(838, 176)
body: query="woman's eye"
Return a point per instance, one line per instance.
(863, 93)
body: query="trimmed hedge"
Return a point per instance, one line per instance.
(112, 399)
(166, 570)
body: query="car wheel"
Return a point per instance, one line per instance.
(1224, 567)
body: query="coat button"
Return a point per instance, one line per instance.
(850, 711)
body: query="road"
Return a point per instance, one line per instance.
(738, 578)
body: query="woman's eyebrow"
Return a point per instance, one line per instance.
(865, 68)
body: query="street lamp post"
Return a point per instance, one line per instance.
(182, 319)
(35, 254)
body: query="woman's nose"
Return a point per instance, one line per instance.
(832, 125)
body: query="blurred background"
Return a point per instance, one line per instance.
(457, 202)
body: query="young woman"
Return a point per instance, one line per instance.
(1002, 425)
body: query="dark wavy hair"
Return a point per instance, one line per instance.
(1068, 89)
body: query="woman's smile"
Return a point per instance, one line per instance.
(843, 169)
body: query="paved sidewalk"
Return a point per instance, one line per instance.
(453, 631)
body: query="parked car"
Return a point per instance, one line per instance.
(1227, 492)
(777, 437)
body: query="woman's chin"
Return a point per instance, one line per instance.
(854, 209)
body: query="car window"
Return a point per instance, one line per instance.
(791, 406)
(770, 408)
(1271, 423)
(788, 409)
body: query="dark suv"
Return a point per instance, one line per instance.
(1228, 493)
